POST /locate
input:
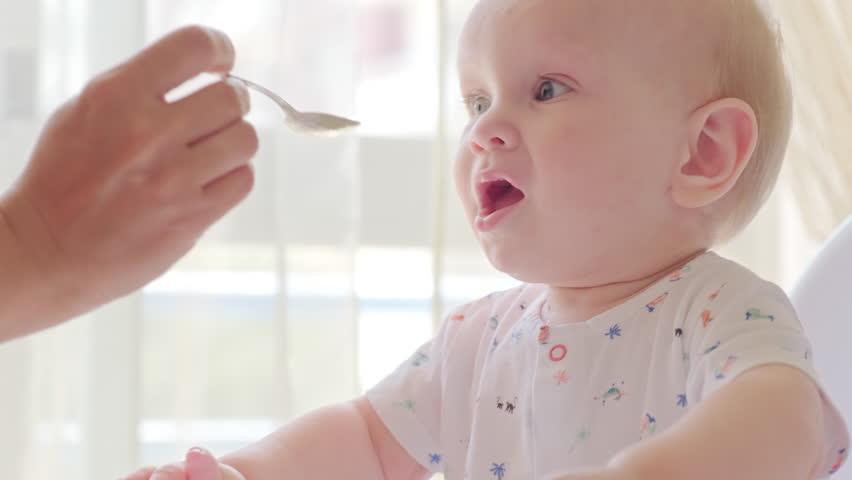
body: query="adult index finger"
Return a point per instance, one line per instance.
(176, 58)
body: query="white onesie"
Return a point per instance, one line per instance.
(497, 394)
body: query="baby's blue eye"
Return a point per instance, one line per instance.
(477, 105)
(549, 89)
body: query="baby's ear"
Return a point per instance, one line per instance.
(722, 139)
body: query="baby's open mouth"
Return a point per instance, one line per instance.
(497, 195)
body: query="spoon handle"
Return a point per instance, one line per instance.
(269, 93)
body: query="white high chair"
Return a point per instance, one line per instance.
(823, 300)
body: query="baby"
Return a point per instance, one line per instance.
(611, 145)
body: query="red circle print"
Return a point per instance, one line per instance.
(558, 352)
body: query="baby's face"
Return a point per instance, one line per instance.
(577, 122)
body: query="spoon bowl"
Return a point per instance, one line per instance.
(309, 123)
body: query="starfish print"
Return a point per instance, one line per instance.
(614, 331)
(434, 458)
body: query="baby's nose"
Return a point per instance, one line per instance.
(493, 134)
(493, 143)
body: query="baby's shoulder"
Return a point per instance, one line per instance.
(716, 280)
(723, 294)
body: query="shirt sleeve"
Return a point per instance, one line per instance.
(410, 400)
(750, 326)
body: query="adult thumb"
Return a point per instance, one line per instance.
(202, 465)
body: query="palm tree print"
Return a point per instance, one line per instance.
(498, 470)
(681, 400)
(614, 331)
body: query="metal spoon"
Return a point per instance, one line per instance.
(311, 123)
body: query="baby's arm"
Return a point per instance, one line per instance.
(347, 440)
(766, 424)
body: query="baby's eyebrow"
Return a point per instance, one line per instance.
(577, 67)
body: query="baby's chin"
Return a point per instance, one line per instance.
(578, 272)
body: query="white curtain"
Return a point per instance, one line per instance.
(822, 142)
(340, 262)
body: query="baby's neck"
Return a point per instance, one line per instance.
(576, 305)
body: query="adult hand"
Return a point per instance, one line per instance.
(122, 184)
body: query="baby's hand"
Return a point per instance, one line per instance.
(199, 465)
(202, 465)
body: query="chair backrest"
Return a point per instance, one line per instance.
(823, 300)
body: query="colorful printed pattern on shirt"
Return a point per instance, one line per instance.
(544, 398)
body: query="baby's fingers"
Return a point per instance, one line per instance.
(202, 465)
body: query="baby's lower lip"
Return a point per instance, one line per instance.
(486, 223)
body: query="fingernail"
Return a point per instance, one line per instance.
(223, 43)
